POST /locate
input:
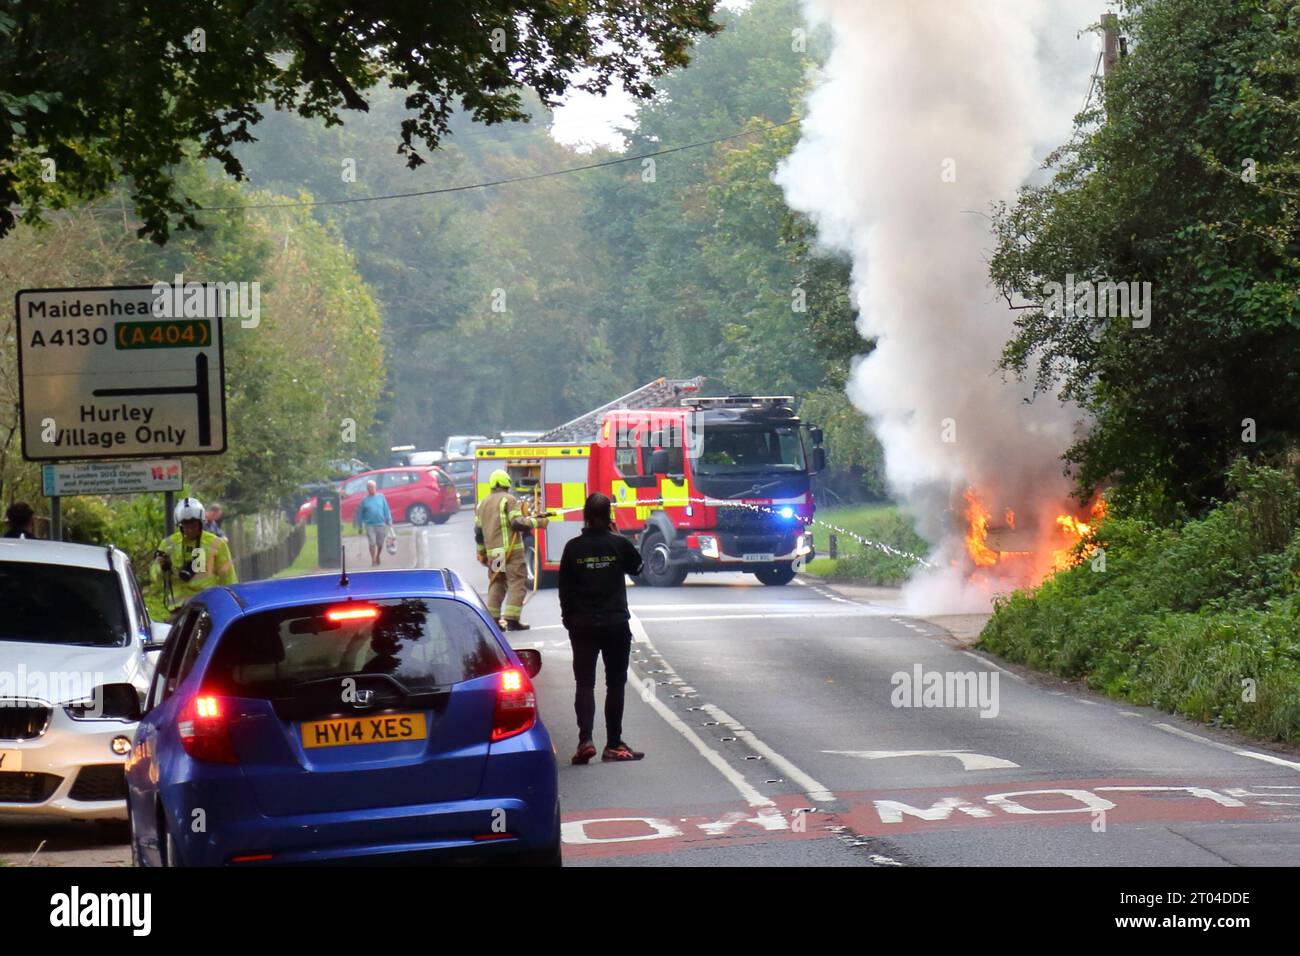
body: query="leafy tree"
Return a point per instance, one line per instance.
(672, 309)
(1187, 180)
(609, 277)
(115, 88)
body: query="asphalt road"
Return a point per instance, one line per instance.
(777, 732)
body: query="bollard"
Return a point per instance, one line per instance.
(329, 529)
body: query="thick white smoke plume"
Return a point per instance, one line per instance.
(926, 112)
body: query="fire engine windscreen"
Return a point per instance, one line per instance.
(739, 450)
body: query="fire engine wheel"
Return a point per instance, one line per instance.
(656, 569)
(418, 514)
(776, 574)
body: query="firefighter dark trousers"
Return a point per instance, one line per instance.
(506, 588)
(614, 644)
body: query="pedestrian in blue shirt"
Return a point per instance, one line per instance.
(374, 517)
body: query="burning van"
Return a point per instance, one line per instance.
(1022, 548)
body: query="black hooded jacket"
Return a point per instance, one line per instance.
(592, 590)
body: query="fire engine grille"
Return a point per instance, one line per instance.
(27, 787)
(750, 521)
(106, 781)
(22, 720)
(750, 543)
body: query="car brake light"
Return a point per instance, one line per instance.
(516, 707)
(366, 613)
(252, 858)
(203, 730)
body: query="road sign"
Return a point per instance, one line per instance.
(111, 477)
(101, 376)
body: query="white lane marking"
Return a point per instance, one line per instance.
(811, 787)
(734, 777)
(969, 761)
(732, 605)
(1267, 758)
(752, 617)
(985, 660)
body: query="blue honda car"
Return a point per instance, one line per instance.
(373, 719)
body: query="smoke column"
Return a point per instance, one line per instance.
(925, 113)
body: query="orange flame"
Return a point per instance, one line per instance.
(1074, 526)
(977, 532)
(987, 545)
(1082, 530)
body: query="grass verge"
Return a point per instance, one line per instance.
(856, 561)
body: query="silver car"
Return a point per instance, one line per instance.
(75, 663)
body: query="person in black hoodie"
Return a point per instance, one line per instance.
(593, 606)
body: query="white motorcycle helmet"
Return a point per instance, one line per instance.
(188, 508)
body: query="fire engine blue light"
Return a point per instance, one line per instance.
(787, 512)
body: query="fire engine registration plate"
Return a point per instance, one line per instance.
(767, 556)
(383, 729)
(11, 760)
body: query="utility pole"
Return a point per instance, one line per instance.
(1110, 50)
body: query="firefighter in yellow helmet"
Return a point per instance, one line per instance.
(191, 559)
(499, 526)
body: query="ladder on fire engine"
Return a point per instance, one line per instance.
(661, 393)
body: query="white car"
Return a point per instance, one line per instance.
(75, 664)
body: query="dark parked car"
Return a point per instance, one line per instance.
(462, 473)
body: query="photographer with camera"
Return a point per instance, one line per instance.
(191, 559)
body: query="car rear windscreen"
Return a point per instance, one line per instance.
(422, 643)
(55, 604)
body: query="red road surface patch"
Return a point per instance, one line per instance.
(1098, 804)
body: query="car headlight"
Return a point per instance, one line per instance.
(708, 545)
(110, 702)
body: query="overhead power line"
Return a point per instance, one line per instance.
(508, 180)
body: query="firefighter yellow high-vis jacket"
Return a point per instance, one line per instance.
(210, 560)
(495, 517)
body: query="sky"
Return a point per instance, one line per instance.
(585, 120)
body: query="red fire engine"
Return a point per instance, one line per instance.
(698, 484)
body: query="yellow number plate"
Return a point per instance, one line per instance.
(383, 729)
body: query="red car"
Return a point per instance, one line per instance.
(418, 495)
